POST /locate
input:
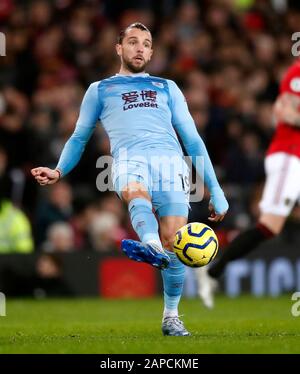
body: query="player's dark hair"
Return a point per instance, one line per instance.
(136, 25)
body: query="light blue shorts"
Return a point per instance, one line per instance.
(164, 175)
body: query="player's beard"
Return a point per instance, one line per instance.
(133, 68)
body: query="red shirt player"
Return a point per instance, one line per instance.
(286, 110)
(282, 164)
(282, 186)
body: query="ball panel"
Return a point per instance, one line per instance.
(196, 244)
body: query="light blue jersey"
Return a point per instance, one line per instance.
(136, 113)
(140, 112)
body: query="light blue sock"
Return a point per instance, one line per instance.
(143, 220)
(173, 278)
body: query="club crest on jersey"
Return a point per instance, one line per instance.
(295, 84)
(158, 84)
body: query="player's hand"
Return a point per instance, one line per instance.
(215, 217)
(286, 109)
(45, 175)
(218, 205)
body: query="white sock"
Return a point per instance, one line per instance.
(156, 244)
(170, 313)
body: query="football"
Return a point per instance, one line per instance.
(196, 244)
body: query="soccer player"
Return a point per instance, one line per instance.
(141, 115)
(282, 187)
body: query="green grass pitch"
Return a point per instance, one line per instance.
(242, 325)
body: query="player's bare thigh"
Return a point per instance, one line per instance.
(168, 226)
(281, 190)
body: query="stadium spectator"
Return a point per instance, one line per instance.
(60, 238)
(56, 208)
(15, 228)
(105, 232)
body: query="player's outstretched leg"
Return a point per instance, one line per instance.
(206, 286)
(173, 278)
(239, 247)
(144, 222)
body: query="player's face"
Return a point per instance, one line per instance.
(135, 50)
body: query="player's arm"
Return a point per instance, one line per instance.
(74, 147)
(286, 109)
(194, 145)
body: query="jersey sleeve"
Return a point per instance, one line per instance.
(89, 114)
(193, 143)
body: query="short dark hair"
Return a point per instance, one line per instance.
(136, 25)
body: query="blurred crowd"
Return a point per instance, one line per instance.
(228, 56)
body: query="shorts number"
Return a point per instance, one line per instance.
(185, 183)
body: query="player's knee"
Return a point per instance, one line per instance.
(134, 191)
(275, 230)
(272, 224)
(168, 244)
(167, 240)
(130, 195)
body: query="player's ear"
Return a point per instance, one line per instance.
(119, 49)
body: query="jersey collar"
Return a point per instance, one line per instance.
(132, 75)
